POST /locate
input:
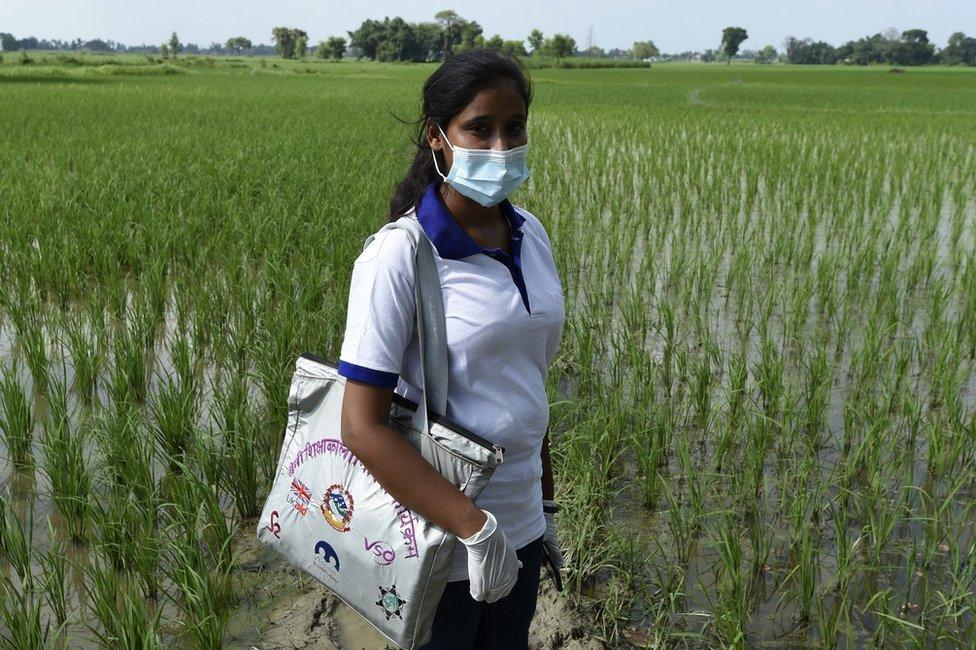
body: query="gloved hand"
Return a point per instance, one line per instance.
(492, 563)
(549, 538)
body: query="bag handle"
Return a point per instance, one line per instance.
(432, 333)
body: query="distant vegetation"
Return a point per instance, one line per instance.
(397, 40)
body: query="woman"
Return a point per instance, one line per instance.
(504, 312)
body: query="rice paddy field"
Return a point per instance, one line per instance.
(763, 407)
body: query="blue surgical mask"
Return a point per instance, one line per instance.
(486, 176)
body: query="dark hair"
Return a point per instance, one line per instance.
(446, 93)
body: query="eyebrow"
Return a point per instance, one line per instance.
(487, 116)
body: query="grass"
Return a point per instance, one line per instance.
(763, 406)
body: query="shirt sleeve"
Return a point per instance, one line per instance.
(558, 300)
(380, 313)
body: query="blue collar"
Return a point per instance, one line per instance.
(447, 235)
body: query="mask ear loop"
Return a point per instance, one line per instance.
(434, 155)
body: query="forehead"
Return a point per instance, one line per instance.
(501, 101)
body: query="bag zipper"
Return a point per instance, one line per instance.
(497, 450)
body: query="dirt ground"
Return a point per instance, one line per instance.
(282, 608)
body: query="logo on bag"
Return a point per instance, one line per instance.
(274, 526)
(300, 496)
(337, 506)
(324, 550)
(384, 552)
(391, 602)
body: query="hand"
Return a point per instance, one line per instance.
(492, 563)
(550, 538)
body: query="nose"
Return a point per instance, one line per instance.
(502, 143)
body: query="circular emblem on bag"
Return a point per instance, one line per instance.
(337, 507)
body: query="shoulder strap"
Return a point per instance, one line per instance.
(431, 326)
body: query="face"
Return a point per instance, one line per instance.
(495, 119)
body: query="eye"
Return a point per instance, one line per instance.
(479, 128)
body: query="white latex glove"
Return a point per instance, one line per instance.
(550, 539)
(492, 563)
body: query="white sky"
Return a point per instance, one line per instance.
(674, 25)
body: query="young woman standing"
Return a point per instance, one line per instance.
(504, 311)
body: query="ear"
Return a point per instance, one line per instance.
(434, 138)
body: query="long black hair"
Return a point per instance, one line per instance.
(446, 92)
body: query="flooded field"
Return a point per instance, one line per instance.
(763, 407)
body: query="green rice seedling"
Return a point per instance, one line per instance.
(126, 458)
(817, 394)
(840, 521)
(173, 410)
(650, 451)
(31, 332)
(127, 536)
(21, 622)
(53, 564)
(242, 479)
(806, 574)
(124, 620)
(127, 380)
(65, 466)
(86, 357)
(24, 627)
(730, 605)
(16, 540)
(273, 363)
(199, 558)
(760, 544)
(16, 421)
(183, 364)
(682, 525)
(834, 623)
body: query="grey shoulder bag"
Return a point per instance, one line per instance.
(326, 513)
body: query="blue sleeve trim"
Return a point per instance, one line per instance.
(368, 375)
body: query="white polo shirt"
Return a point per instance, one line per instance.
(504, 319)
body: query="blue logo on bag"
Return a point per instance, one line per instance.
(325, 550)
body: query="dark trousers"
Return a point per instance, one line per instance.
(462, 622)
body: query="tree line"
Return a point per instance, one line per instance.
(398, 40)
(891, 47)
(911, 47)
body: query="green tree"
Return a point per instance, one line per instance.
(766, 55)
(164, 51)
(960, 50)
(559, 46)
(285, 39)
(732, 38)
(470, 36)
(367, 38)
(333, 48)
(644, 50)
(450, 23)
(914, 48)
(806, 51)
(7, 42)
(430, 41)
(174, 44)
(301, 46)
(514, 48)
(496, 42)
(535, 40)
(238, 44)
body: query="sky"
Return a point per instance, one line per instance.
(673, 25)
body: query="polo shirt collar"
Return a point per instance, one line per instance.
(447, 235)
